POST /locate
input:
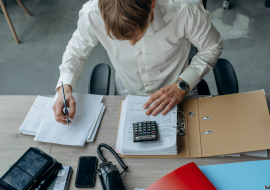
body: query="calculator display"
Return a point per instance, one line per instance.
(145, 131)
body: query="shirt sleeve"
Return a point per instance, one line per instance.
(77, 51)
(204, 36)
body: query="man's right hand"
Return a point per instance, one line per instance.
(59, 106)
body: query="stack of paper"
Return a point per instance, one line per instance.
(35, 116)
(132, 112)
(41, 122)
(258, 153)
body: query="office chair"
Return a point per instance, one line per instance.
(226, 4)
(225, 77)
(267, 3)
(99, 81)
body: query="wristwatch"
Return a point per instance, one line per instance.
(182, 85)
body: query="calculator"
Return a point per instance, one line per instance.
(145, 131)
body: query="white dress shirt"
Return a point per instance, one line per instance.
(159, 58)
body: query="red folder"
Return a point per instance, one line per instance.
(187, 177)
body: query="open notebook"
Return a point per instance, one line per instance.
(40, 121)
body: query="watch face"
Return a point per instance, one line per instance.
(183, 85)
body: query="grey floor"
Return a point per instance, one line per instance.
(31, 68)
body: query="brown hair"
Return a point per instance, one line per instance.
(124, 18)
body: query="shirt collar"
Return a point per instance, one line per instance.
(158, 22)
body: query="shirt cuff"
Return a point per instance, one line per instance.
(67, 78)
(191, 76)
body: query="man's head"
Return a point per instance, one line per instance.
(127, 19)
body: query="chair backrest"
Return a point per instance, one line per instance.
(99, 82)
(204, 3)
(225, 77)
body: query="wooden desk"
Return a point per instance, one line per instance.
(141, 172)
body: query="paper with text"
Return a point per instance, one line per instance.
(134, 112)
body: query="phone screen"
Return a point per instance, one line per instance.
(86, 172)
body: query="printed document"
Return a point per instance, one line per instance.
(131, 112)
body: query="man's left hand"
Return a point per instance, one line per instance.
(166, 97)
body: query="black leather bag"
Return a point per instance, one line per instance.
(108, 174)
(34, 170)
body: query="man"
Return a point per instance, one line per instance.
(148, 43)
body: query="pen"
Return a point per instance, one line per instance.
(66, 112)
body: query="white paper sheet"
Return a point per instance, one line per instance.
(35, 116)
(97, 125)
(95, 121)
(121, 128)
(166, 145)
(76, 133)
(231, 155)
(206, 97)
(259, 153)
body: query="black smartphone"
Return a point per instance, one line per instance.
(86, 172)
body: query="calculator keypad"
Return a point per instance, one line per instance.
(145, 131)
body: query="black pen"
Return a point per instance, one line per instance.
(66, 112)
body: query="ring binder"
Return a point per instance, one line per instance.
(248, 109)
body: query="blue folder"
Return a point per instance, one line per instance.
(253, 175)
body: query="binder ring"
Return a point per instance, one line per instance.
(181, 126)
(179, 111)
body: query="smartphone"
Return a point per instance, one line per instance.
(86, 172)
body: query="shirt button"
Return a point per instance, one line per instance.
(140, 53)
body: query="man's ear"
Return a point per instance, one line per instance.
(153, 5)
